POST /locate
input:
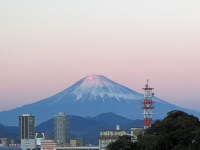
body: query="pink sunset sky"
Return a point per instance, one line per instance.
(47, 45)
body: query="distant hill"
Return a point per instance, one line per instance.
(79, 127)
(113, 120)
(11, 132)
(89, 127)
(91, 96)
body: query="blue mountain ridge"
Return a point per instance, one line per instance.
(92, 95)
(89, 129)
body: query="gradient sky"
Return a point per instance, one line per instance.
(47, 45)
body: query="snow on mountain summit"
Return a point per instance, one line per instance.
(93, 86)
(95, 81)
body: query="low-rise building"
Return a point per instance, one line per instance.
(75, 142)
(48, 144)
(135, 131)
(28, 144)
(39, 136)
(5, 141)
(108, 136)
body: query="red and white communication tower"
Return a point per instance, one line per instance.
(148, 105)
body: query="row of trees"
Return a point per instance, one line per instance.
(178, 131)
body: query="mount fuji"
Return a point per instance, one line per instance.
(92, 95)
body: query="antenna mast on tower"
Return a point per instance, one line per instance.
(148, 105)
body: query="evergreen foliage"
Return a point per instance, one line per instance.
(123, 143)
(178, 131)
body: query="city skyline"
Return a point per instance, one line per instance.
(45, 47)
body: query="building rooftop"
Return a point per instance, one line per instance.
(26, 114)
(77, 148)
(115, 130)
(10, 148)
(108, 137)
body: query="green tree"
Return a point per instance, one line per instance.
(176, 131)
(147, 142)
(123, 143)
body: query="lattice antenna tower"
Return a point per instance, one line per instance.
(148, 105)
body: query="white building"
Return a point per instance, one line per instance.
(39, 136)
(28, 144)
(108, 136)
(135, 131)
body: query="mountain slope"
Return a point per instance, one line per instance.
(92, 95)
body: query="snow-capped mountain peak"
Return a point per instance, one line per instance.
(95, 81)
(93, 86)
